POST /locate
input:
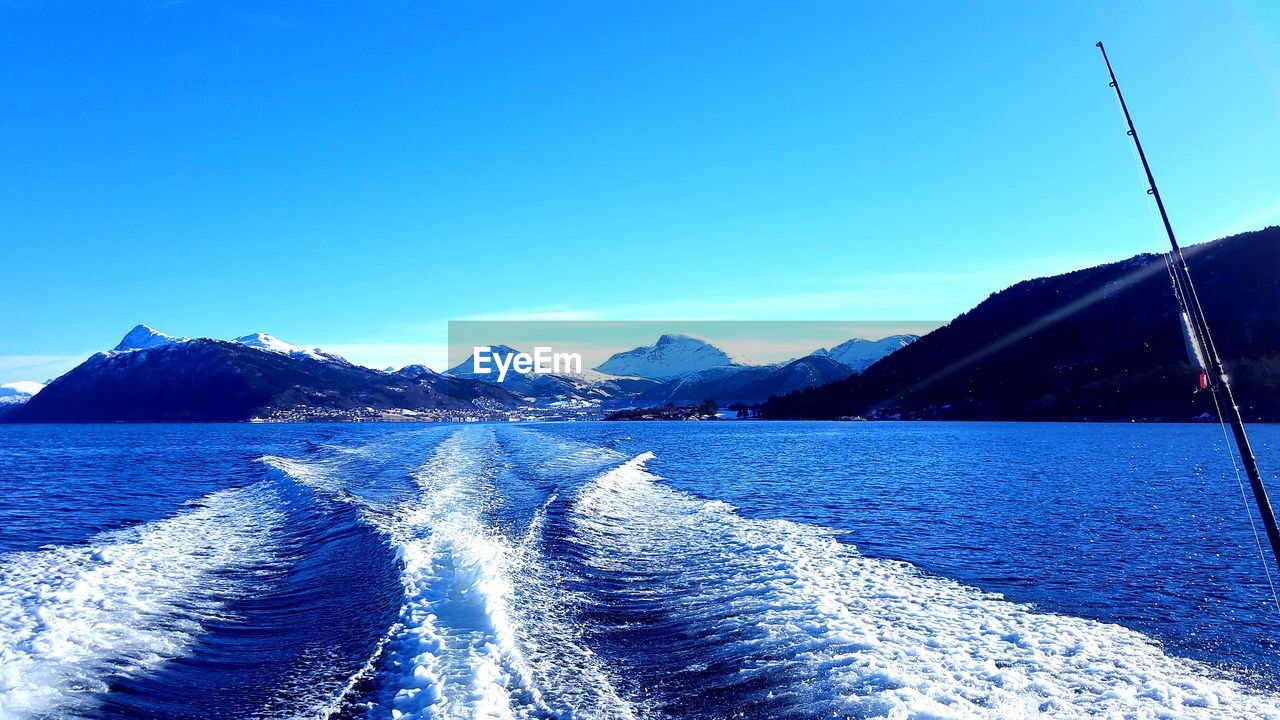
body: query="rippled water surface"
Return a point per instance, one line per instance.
(645, 570)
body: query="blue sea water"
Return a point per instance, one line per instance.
(632, 570)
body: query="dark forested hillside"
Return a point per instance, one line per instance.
(1103, 343)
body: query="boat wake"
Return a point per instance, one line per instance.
(785, 619)
(502, 572)
(75, 618)
(485, 630)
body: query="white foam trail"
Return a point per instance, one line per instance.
(313, 475)
(472, 642)
(74, 617)
(338, 702)
(534, 534)
(842, 635)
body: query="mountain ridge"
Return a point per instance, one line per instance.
(207, 380)
(672, 355)
(1098, 343)
(715, 375)
(859, 354)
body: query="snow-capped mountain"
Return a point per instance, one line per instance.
(859, 354)
(467, 367)
(19, 392)
(671, 356)
(412, 371)
(263, 341)
(682, 369)
(580, 390)
(142, 337)
(153, 377)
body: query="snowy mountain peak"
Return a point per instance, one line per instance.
(24, 387)
(263, 341)
(671, 356)
(467, 367)
(414, 371)
(678, 338)
(859, 354)
(142, 337)
(16, 393)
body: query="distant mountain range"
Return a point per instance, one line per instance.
(1103, 343)
(16, 393)
(575, 391)
(748, 384)
(153, 377)
(683, 369)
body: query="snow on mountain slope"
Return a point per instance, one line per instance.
(589, 388)
(263, 341)
(257, 376)
(671, 356)
(24, 387)
(467, 367)
(142, 337)
(413, 371)
(859, 354)
(18, 392)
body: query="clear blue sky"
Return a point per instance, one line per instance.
(352, 176)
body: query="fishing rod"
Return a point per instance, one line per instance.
(1199, 342)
